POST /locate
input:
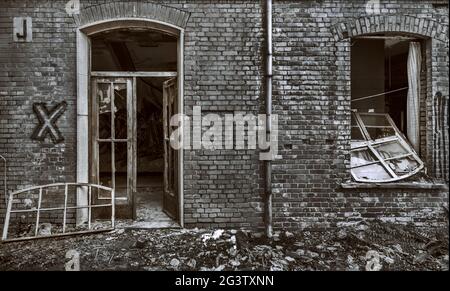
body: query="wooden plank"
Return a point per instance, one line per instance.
(361, 126)
(66, 191)
(167, 152)
(376, 142)
(61, 208)
(134, 148)
(8, 216)
(166, 133)
(95, 169)
(113, 208)
(28, 210)
(90, 207)
(170, 199)
(378, 126)
(130, 134)
(180, 80)
(167, 74)
(60, 185)
(38, 212)
(113, 134)
(115, 80)
(112, 140)
(175, 153)
(58, 235)
(418, 185)
(118, 199)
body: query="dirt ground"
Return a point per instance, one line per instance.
(373, 246)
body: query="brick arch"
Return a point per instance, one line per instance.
(404, 24)
(132, 10)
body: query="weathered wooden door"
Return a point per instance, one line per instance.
(170, 107)
(113, 146)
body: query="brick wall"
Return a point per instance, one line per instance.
(312, 84)
(224, 43)
(223, 57)
(41, 71)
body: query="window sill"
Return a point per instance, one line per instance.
(404, 185)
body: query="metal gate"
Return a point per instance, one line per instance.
(17, 208)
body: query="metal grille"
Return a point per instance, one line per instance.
(39, 210)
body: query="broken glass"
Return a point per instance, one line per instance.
(357, 134)
(120, 111)
(104, 98)
(374, 120)
(121, 167)
(380, 132)
(403, 166)
(391, 150)
(362, 157)
(376, 126)
(371, 173)
(104, 110)
(379, 152)
(105, 166)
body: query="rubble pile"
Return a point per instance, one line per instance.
(364, 246)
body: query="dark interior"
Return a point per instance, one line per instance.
(134, 51)
(380, 65)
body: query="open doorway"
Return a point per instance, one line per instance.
(150, 150)
(131, 71)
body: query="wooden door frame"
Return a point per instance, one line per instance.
(169, 155)
(131, 134)
(83, 93)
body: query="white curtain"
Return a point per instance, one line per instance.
(414, 64)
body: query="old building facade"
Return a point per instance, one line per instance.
(219, 63)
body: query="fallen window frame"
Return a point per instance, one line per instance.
(39, 209)
(370, 144)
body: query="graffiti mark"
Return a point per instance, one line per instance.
(373, 261)
(74, 261)
(47, 121)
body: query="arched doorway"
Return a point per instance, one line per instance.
(133, 87)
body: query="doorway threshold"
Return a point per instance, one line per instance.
(131, 224)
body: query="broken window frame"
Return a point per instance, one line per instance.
(369, 144)
(39, 209)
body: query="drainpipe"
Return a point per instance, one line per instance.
(268, 164)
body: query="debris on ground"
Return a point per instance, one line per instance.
(363, 246)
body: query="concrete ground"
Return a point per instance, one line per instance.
(149, 204)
